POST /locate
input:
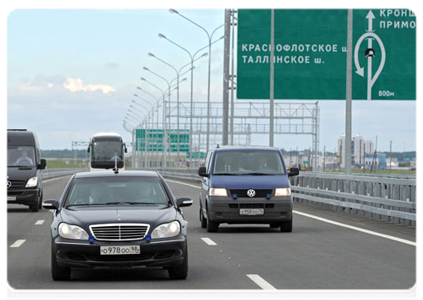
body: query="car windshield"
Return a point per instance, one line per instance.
(20, 156)
(117, 191)
(252, 162)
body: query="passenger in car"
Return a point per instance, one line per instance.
(98, 196)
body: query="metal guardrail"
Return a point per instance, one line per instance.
(391, 198)
(386, 198)
(53, 173)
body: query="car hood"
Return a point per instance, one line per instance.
(86, 216)
(21, 173)
(249, 181)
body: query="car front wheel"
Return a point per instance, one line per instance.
(180, 272)
(58, 273)
(202, 219)
(36, 206)
(286, 226)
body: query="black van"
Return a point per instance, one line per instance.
(24, 165)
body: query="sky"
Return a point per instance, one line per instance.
(72, 73)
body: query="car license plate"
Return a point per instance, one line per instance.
(119, 250)
(251, 211)
(11, 198)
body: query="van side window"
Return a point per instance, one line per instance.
(208, 159)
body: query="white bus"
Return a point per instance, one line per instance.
(107, 151)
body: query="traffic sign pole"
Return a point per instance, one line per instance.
(272, 78)
(348, 106)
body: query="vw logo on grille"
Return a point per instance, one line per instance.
(251, 193)
(9, 184)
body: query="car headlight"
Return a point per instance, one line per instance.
(72, 232)
(166, 230)
(218, 192)
(32, 182)
(283, 192)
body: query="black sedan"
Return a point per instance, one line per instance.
(128, 219)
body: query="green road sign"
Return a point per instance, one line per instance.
(384, 66)
(310, 54)
(197, 155)
(152, 140)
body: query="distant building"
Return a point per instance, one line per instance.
(375, 160)
(359, 148)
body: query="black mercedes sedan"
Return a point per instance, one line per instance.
(118, 219)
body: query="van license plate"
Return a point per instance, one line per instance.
(251, 211)
(11, 198)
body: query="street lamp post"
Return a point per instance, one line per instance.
(192, 59)
(164, 150)
(152, 121)
(177, 99)
(209, 36)
(133, 123)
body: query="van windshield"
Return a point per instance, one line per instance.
(20, 156)
(248, 162)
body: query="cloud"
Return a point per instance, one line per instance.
(112, 66)
(76, 84)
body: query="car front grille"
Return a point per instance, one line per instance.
(243, 193)
(119, 232)
(17, 184)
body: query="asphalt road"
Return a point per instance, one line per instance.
(324, 253)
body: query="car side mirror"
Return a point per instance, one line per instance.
(42, 165)
(202, 172)
(51, 204)
(184, 201)
(293, 172)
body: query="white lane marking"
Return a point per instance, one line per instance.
(17, 244)
(209, 242)
(39, 222)
(389, 237)
(261, 282)
(183, 183)
(52, 179)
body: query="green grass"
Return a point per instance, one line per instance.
(65, 163)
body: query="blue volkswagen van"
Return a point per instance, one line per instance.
(246, 185)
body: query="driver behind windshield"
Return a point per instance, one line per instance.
(25, 159)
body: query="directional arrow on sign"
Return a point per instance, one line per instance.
(370, 16)
(370, 35)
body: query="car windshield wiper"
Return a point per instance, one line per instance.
(82, 204)
(226, 174)
(257, 173)
(134, 203)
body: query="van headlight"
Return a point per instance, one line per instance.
(166, 230)
(218, 192)
(72, 232)
(283, 192)
(32, 182)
